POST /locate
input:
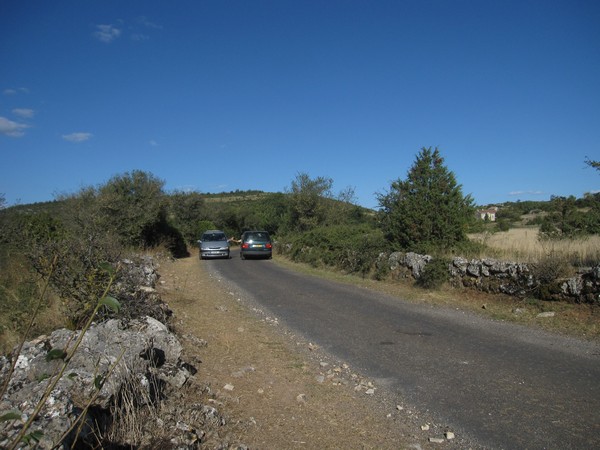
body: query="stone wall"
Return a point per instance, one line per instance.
(506, 277)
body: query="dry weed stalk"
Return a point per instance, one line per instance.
(136, 408)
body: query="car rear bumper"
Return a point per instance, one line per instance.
(265, 253)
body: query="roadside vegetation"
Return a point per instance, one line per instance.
(68, 241)
(58, 259)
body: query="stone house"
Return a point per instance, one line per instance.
(489, 213)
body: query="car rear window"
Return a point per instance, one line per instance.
(258, 236)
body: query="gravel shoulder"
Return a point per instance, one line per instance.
(276, 390)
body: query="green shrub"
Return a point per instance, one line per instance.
(351, 248)
(502, 225)
(434, 274)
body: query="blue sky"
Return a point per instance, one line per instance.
(216, 96)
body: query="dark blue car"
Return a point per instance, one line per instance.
(256, 244)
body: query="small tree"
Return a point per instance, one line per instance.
(565, 220)
(134, 205)
(185, 210)
(427, 210)
(307, 201)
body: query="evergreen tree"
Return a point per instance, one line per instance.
(428, 210)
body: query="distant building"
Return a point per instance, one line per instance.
(488, 214)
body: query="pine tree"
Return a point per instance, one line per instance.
(428, 210)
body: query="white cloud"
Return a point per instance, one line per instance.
(143, 20)
(11, 91)
(141, 26)
(153, 143)
(140, 37)
(25, 113)
(513, 193)
(77, 137)
(106, 33)
(12, 129)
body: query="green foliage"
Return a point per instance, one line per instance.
(268, 213)
(185, 210)
(592, 163)
(33, 438)
(74, 240)
(133, 206)
(202, 226)
(351, 248)
(307, 201)
(56, 353)
(434, 274)
(503, 225)
(111, 303)
(564, 220)
(428, 209)
(548, 272)
(510, 214)
(11, 415)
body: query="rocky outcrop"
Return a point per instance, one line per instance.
(122, 369)
(143, 358)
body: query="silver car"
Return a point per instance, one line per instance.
(214, 244)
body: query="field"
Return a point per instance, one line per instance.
(523, 245)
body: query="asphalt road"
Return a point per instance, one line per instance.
(506, 386)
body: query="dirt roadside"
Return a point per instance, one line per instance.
(277, 390)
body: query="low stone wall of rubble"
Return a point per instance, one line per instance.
(506, 277)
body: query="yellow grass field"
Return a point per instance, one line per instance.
(523, 245)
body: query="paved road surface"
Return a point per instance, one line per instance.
(506, 386)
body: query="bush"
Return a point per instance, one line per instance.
(434, 274)
(502, 225)
(351, 248)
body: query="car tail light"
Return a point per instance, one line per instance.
(245, 245)
(269, 245)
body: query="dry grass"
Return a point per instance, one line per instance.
(524, 245)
